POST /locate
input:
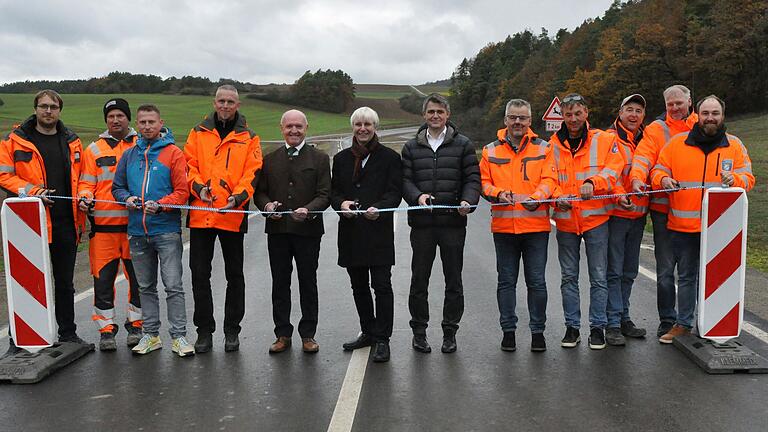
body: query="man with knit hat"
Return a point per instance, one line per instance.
(109, 225)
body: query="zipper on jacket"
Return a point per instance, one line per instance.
(144, 185)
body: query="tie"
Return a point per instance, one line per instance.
(292, 151)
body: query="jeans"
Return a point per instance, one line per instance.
(625, 237)
(201, 243)
(378, 322)
(145, 253)
(686, 248)
(665, 268)
(424, 242)
(568, 248)
(532, 247)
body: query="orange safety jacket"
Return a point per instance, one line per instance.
(100, 161)
(655, 136)
(22, 168)
(527, 173)
(685, 162)
(597, 161)
(229, 166)
(627, 142)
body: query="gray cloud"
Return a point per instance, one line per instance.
(265, 41)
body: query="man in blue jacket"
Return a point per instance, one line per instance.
(150, 176)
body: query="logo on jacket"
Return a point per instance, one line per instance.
(615, 148)
(727, 165)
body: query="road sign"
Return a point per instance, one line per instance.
(553, 126)
(722, 263)
(27, 273)
(554, 112)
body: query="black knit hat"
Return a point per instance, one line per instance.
(117, 104)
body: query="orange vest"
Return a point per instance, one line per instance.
(598, 160)
(527, 173)
(100, 161)
(229, 166)
(689, 165)
(655, 136)
(21, 167)
(626, 141)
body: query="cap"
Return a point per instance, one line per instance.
(637, 98)
(117, 104)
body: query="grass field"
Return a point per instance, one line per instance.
(82, 113)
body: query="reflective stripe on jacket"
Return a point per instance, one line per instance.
(687, 163)
(100, 161)
(655, 136)
(21, 167)
(229, 166)
(598, 160)
(527, 173)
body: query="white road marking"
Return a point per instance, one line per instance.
(346, 406)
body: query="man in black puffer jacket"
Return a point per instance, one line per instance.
(439, 167)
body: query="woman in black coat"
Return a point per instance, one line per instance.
(367, 177)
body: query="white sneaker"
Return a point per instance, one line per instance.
(147, 344)
(181, 347)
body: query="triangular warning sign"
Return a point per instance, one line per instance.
(553, 113)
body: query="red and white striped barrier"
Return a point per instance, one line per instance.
(723, 263)
(27, 273)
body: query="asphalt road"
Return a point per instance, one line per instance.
(644, 386)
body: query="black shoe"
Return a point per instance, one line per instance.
(538, 343)
(614, 337)
(420, 344)
(449, 344)
(628, 329)
(204, 342)
(362, 341)
(381, 352)
(571, 338)
(664, 328)
(231, 342)
(73, 339)
(107, 342)
(596, 338)
(508, 342)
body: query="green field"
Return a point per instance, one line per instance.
(82, 113)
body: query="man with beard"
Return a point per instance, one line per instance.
(706, 156)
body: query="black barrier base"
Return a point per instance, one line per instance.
(28, 368)
(714, 358)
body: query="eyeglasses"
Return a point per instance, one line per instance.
(572, 98)
(522, 118)
(45, 107)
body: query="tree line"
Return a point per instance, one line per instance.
(640, 46)
(325, 90)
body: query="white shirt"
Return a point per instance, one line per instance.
(298, 147)
(365, 160)
(436, 142)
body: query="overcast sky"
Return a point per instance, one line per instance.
(384, 41)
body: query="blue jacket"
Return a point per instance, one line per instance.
(153, 171)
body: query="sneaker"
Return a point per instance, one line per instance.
(614, 337)
(204, 342)
(508, 342)
(147, 344)
(538, 343)
(181, 347)
(134, 336)
(231, 342)
(571, 338)
(628, 329)
(596, 338)
(107, 342)
(675, 331)
(664, 328)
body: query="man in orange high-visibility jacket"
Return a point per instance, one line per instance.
(42, 157)
(587, 163)
(223, 159)
(109, 225)
(706, 156)
(678, 118)
(516, 168)
(626, 226)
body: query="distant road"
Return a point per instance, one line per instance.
(421, 93)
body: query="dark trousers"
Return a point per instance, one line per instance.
(424, 242)
(201, 243)
(63, 254)
(378, 324)
(283, 250)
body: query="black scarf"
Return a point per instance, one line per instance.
(707, 143)
(361, 152)
(574, 144)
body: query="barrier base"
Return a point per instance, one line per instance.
(28, 368)
(714, 358)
